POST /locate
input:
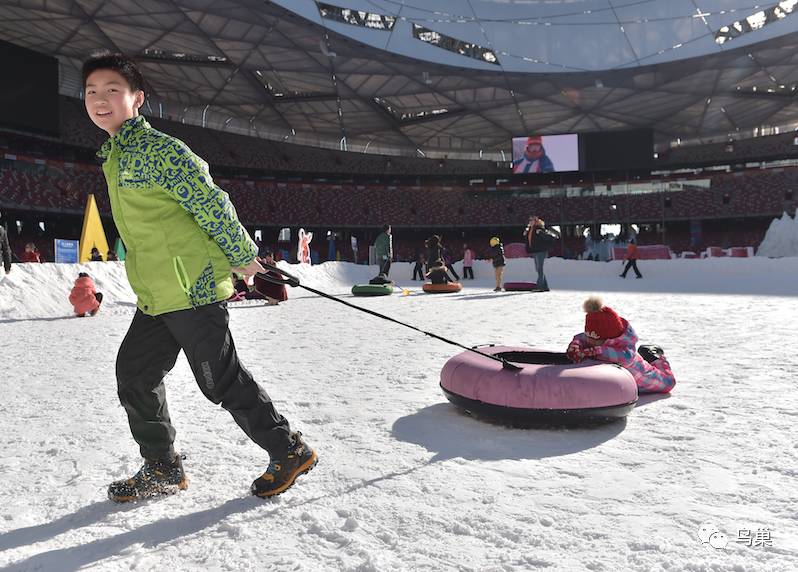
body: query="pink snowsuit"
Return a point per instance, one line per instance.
(654, 377)
(468, 257)
(83, 297)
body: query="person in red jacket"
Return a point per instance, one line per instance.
(31, 253)
(84, 297)
(631, 260)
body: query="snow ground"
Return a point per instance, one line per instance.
(405, 481)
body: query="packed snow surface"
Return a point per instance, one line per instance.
(405, 481)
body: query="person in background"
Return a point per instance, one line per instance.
(468, 263)
(418, 269)
(84, 297)
(95, 255)
(383, 249)
(263, 289)
(538, 242)
(631, 260)
(434, 250)
(447, 260)
(111, 256)
(5, 249)
(353, 243)
(31, 254)
(499, 262)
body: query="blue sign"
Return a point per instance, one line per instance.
(66, 250)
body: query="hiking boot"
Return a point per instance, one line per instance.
(155, 477)
(282, 472)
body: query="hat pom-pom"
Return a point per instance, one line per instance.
(593, 304)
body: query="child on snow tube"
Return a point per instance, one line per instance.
(437, 273)
(84, 297)
(610, 338)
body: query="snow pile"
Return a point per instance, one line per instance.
(781, 238)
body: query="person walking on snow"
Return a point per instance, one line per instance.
(184, 239)
(631, 260)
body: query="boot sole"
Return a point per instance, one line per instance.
(302, 470)
(166, 490)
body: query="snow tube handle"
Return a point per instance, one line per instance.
(288, 278)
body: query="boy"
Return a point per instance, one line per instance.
(183, 238)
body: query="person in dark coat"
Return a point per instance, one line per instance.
(447, 260)
(5, 249)
(95, 255)
(434, 250)
(499, 262)
(418, 269)
(437, 273)
(538, 242)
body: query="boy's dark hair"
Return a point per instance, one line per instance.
(120, 63)
(82, 275)
(385, 227)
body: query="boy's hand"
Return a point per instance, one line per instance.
(250, 269)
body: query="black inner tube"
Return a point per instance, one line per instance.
(541, 358)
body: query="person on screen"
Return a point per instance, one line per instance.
(535, 159)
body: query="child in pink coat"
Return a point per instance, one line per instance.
(610, 338)
(84, 297)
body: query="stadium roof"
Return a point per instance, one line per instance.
(441, 77)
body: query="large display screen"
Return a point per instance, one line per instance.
(607, 150)
(29, 95)
(545, 154)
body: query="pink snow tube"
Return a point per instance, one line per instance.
(549, 389)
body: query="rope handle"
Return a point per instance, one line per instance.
(291, 280)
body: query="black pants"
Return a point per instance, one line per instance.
(468, 272)
(385, 268)
(450, 268)
(149, 351)
(418, 269)
(631, 263)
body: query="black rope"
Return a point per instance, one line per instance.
(293, 281)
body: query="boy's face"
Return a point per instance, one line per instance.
(110, 101)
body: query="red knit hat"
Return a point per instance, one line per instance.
(601, 322)
(534, 140)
